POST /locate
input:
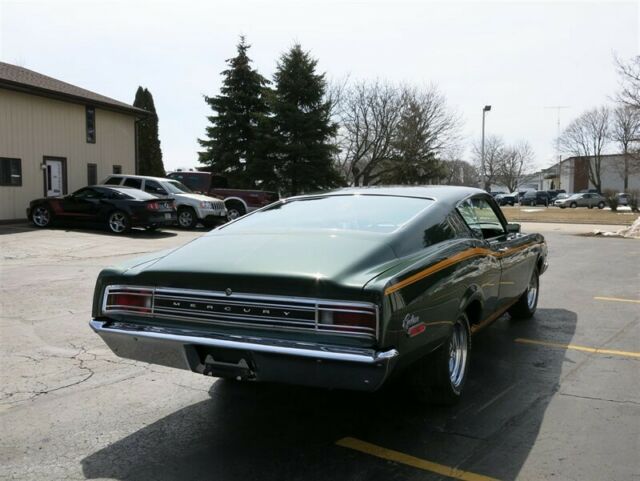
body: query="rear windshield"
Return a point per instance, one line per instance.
(369, 213)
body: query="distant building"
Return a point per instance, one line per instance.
(56, 137)
(572, 174)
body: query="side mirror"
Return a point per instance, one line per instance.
(513, 228)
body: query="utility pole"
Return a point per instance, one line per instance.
(486, 109)
(558, 108)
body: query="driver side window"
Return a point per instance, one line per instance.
(481, 218)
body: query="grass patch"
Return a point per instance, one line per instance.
(580, 215)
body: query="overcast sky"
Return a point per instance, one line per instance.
(518, 57)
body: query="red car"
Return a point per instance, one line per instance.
(237, 201)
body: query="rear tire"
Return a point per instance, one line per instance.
(573, 205)
(439, 378)
(41, 216)
(118, 222)
(600, 205)
(187, 218)
(526, 305)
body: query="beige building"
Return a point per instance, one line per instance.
(56, 138)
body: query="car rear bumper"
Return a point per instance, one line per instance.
(250, 358)
(156, 219)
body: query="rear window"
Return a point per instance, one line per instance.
(131, 182)
(194, 181)
(369, 213)
(113, 181)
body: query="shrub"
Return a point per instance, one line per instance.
(611, 199)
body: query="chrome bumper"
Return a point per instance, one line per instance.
(253, 358)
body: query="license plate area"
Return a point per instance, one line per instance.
(221, 362)
(167, 216)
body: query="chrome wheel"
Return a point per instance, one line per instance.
(232, 214)
(41, 216)
(117, 222)
(185, 218)
(458, 345)
(532, 293)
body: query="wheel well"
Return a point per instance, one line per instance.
(237, 203)
(474, 312)
(540, 264)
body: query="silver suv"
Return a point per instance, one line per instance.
(192, 208)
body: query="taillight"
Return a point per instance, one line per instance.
(347, 319)
(153, 205)
(128, 301)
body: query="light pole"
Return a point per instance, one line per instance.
(486, 109)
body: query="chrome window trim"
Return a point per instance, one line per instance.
(301, 303)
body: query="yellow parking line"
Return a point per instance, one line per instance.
(574, 347)
(617, 299)
(398, 457)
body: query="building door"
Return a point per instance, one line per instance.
(54, 181)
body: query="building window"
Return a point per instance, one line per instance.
(10, 171)
(117, 169)
(92, 174)
(91, 124)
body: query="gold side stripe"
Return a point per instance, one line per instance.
(461, 256)
(476, 327)
(574, 347)
(408, 460)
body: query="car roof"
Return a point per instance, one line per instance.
(123, 189)
(440, 193)
(145, 177)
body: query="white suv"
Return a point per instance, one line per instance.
(192, 208)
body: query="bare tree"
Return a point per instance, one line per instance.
(625, 131)
(587, 136)
(426, 127)
(494, 151)
(516, 161)
(393, 134)
(629, 72)
(459, 172)
(369, 114)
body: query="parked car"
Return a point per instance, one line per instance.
(535, 197)
(553, 194)
(560, 196)
(345, 289)
(117, 208)
(494, 194)
(238, 201)
(507, 199)
(192, 207)
(623, 199)
(521, 194)
(582, 200)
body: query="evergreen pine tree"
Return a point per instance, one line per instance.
(235, 144)
(149, 151)
(302, 125)
(414, 160)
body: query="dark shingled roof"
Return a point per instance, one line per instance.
(24, 80)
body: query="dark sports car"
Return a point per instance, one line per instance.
(342, 290)
(117, 208)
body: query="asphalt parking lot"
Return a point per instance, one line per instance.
(554, 398)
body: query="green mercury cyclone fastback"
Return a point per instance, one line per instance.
(344, 289)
